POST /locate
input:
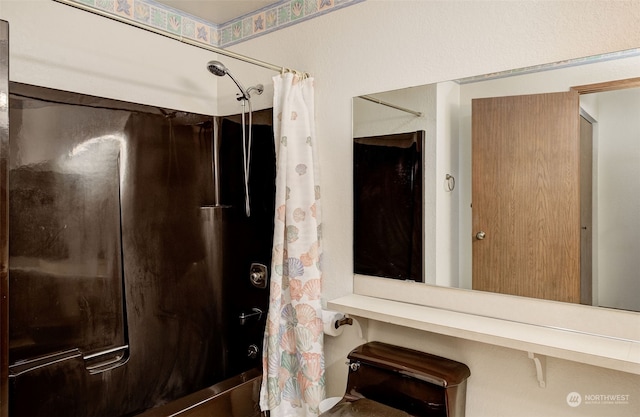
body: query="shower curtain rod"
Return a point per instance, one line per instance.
(181, 38)
(384, 103)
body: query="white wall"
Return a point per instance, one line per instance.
(618, 223)
(447, 201)
(58, 46)
(367, 47)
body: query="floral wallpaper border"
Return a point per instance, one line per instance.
(276, 16)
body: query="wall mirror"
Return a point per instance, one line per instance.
(531, 178)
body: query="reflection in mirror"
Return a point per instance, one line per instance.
(387, 183)
(593, 247)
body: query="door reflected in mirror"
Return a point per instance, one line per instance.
(558, 209)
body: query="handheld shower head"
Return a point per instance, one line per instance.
(218, 68)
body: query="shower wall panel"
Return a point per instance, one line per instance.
(250, 239)
(125, 282)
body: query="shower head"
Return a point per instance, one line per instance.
(218, 68)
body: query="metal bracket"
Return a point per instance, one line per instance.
(541, 368)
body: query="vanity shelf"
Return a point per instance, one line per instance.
(604, 351)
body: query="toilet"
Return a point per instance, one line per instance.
(392, 381)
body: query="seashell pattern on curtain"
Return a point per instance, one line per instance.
(293, 382)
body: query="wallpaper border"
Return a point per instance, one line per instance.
(279, 15)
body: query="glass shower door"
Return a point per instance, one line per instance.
(67, 303)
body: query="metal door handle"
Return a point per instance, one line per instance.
(480, 235)
(106, 360)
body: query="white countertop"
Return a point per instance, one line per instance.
(600, 350)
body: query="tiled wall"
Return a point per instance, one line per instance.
(281, 14)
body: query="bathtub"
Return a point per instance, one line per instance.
(238, 396)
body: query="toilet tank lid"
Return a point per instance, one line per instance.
(425, 366)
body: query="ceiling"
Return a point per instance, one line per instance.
(217, 11)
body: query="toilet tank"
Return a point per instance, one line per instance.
(415, 382)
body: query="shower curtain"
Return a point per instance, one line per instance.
(293, 381)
